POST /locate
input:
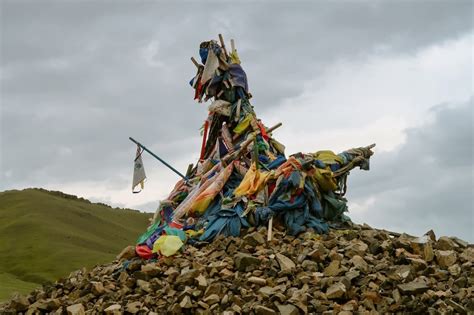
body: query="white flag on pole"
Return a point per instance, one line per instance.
(138, 172)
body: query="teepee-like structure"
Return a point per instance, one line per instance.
(243, 177)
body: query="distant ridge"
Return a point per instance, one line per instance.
(47, 234)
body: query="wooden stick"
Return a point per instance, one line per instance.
(195, 62)
(237, 112)
(232, 45)
(232, 156)
(221, 39)
(189, 170)
(270, 222)
(274, 127)
(270, 227)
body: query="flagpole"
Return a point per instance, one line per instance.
(158, 158)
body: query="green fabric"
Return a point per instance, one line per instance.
(334, 208)
(148, 232)
(172, 231)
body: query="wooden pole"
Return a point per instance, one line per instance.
(270, 227)
(221, 39)
(195, 62)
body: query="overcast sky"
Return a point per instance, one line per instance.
(79, 77)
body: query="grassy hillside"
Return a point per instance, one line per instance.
(45, 235)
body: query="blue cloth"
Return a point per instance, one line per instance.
(225, 221)
(167, 213)
(334, 167)
(319, 164)
(153, 237)
(239, 77)
(203, 54)
(298, 213)
(263, 158)
(277, 162)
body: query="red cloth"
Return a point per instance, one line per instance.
(204, 139)
(263, 132)
(144, 251)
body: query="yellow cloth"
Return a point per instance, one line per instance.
(192, 233)
(234, 57)
(328, 157)
(243, 125)
(278, 146)
(167, 245)
(253, 181)
(203, 200)
(325, 179)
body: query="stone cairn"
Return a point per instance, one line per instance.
(359, 270)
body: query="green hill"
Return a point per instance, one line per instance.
(45, 235)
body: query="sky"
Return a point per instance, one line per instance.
(77, 78)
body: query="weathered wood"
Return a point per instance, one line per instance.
(195, 62)
(221, 39)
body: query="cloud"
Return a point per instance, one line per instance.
(426, 183)
(360, 102)
(150, 54)
(78, 78)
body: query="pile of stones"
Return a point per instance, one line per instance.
(354, 271)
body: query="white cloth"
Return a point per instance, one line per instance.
(139, 175)
(212, 63)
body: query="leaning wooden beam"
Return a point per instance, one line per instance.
(353, 163)
(195, 62)
(252, 136)
(274, 127)
(221, 39)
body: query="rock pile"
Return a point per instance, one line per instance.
(357, 270)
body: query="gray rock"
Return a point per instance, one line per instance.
(445, 243)
(288, 309)
(446, 258)
(286, 264)
(212, 299)
(333, 269)
(257, 280)
(336, 291)
(133, 307)
(413, 287)
(186, 302)
(262, 310)
(187, 277)
(127, 253)
(144, 285)
(19, 303)
(359, 263)
(254, 239)
(242, 261)
(309, 265)
(76, 309)
(113, 309)
(97, 288)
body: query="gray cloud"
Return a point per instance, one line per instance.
(427, 182)
(78, 78)
(75, 78)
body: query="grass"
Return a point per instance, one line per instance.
(45, 235)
